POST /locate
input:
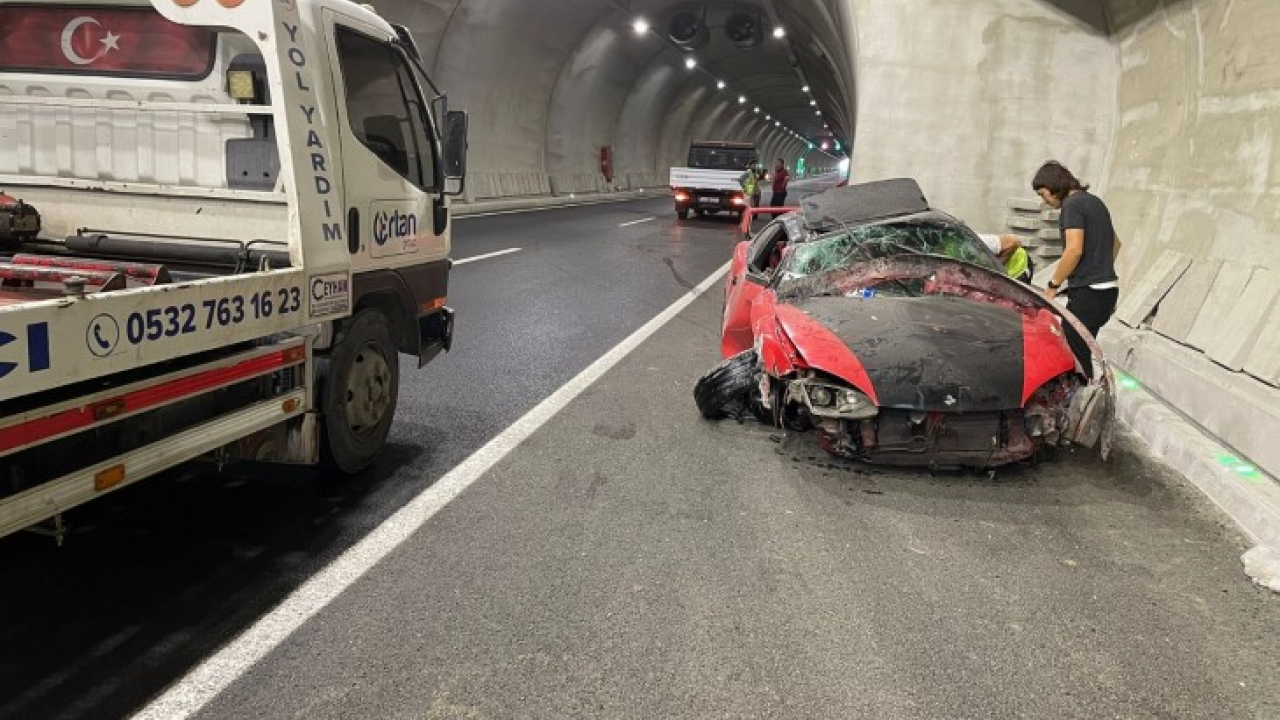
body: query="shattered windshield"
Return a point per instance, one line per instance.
(849, 246)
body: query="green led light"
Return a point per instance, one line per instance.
(1226, 458)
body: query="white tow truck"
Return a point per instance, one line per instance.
(710, 181)
(224, 220)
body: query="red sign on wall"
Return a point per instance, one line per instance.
(606, 162)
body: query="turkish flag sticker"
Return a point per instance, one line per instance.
(136, 42)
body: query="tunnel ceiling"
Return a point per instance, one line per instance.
(550, 82)
(771, 74)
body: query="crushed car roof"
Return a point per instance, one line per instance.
(863, 202)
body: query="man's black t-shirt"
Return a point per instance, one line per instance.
(1083, 211)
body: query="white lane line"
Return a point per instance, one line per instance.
(636, 222)
(485, 256)
(204, 683)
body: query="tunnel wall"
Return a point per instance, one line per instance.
(970, 98)
(1196, 168)
(1194, 186)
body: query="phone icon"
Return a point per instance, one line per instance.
(102, 335)
(97, 336)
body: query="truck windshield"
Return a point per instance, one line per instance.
(721, 158)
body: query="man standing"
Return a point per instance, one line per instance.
(750, 184)
(780, 178)
(1090, 247)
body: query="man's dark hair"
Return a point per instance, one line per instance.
(1057, 179)
(781, 161)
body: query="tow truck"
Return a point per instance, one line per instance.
(225, 219)
(709, 184)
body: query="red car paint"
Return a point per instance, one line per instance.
(822, 350)
(1045, 352)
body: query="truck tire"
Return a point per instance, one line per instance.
(726, 387)
(682, 213)
(361, 379)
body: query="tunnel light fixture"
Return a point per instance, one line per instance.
(813, 102)
(766, 116)
(742, 99)
(719, 84)
(777, 123)
(690, 63)
(818, 113)
(804, 89)
(641, 26)
(779, 32)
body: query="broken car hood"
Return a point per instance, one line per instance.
(934, 352)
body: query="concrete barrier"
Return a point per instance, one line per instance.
(1238, 478)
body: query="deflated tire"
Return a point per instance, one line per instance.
(726, 389)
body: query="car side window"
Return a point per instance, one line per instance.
(384, 106)
(762, 247)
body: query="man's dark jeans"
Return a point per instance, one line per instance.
(1093, 308)
(777, 200)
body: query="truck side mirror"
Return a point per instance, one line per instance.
(454, 139)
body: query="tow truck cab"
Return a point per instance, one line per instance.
(243, 216)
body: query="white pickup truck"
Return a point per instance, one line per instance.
(242, 220)
(709, 183)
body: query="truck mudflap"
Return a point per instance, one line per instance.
(436, 333)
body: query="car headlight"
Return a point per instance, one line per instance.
(821, 395)
(828, 400)
(851, 403)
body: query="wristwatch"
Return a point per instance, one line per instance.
(1053, 285)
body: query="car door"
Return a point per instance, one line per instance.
(746, 282)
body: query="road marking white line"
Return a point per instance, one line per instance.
(485, 256)
(190, 694)
(636, 222)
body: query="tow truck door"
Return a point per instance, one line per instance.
(389, 150)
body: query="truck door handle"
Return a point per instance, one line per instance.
(353, 231)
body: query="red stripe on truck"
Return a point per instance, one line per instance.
(48, 427)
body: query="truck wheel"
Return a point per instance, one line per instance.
(358, 394)
(727, 387)
(682, 213)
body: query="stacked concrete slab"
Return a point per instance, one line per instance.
(1036, 225)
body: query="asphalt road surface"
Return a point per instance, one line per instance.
(629, 559)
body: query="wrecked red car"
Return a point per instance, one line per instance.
(889, 329)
